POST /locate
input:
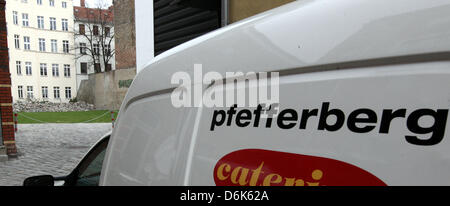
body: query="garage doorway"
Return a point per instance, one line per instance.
(178, 21)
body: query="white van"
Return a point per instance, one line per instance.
(363, 100)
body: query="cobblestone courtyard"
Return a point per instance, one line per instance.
(53, 149)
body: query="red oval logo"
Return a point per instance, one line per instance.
(255, 167)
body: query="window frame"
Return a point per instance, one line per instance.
(42, 45)
(25, 21)
(96, 49)
(64, 25)
(99, 147)
(28, 68)
(15, 18)
(83, 64)
(19, 67)
(95, 30)
(16, 41)
(66, 46)
(43, 69)
(52, 23)
(56, 93)
(26, 43)
(54, 45)
(40, 22)
(44, 92)
(83, 48)
(66, 70)
(68, 92)
(55, 70)
(81, 29)
(20, 91)
(30, 92)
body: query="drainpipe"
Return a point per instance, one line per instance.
(224, 17)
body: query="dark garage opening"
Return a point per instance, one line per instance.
(178, 21)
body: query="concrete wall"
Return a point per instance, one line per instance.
(241, 9)
(106, 90)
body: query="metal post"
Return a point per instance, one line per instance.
(224, 13)
(112, 118)
(15, 122)
(1, 133)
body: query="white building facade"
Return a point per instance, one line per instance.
(92, 35)
(40, 37)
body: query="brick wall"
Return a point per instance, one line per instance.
(6, 110)
(124, 34)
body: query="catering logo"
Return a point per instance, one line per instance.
(255, 167)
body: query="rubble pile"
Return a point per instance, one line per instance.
(39, 106)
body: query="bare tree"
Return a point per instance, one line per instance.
(95, 36)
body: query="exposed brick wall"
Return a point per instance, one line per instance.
(6, 110)
(124, 34)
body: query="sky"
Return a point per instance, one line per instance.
(92, 3)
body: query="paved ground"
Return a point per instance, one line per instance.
(53, 149)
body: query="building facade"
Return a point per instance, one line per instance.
(7, 142)
(94, 40)
(40, 39)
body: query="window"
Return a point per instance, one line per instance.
(81, 28)
(82, 48)
(45, 92)
(51, 2)
(96, 49)
(68, 93)
(40, 22)
(64, 26)
(108, 67)
(54, 45)
(39, 2)
(95, 30)
(20, 91)
(19, 67)
(41, 45)
(28, 69)
(43, 69)
(66, 70)
(65, 46)
(15, 18)
(107, 31)
(83, 66)
(16, 41)
(26, 42)
(30, 92)
(97, 67)
(56, 92)
(107, 50)
(52, 23)
(24, 19)
(64, 4)
(89, 170)
(55, 70)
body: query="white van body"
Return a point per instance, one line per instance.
(387, 59)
